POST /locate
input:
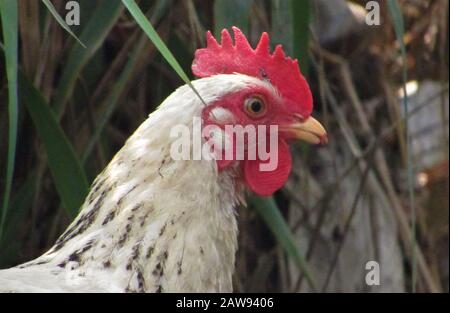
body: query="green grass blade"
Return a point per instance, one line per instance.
(9, 17)
(229, 13)
(397, 19)
(301, 18)
(94, 33)
(69, 177)
(60, 20)
(281, 28)
(300, 26)
(399, 27)
(290, 27)
(147, 27)
(268, 210)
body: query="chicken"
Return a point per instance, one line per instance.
(152, 223)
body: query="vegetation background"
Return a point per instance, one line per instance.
(379, 191)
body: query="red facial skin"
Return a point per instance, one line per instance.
(263, 183)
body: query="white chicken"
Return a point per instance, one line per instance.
(155, 224)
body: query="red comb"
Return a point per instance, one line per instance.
(281, 71)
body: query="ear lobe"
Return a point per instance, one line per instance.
(265, 183)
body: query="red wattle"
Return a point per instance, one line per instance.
(265, 183)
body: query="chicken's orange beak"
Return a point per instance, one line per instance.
(309, 130)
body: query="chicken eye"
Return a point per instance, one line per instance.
(255, 106)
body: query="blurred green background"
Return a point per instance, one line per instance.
(378, 191)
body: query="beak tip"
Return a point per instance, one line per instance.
(324, 139)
